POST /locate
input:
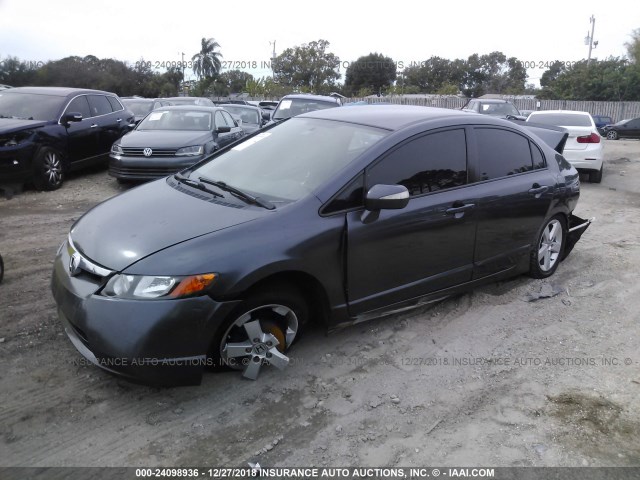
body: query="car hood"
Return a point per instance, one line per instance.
(9, 125)
(164, 138)
(131, 226)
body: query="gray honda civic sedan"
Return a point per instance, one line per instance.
(331, 217)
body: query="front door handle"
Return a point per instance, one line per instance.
(94, 126)
(118, 120)
(458, 211)
(538, 190)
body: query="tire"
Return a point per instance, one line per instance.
(612, 135)
(595, 176)
(549, 248)
(259, 331)
(1, 269)
(48, 169)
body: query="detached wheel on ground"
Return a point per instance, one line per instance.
(612, 135)
(547, 251)
(260, 331)
(48, 169)
(595, 176)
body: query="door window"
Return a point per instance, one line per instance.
(502, 153)
(99, 105)
(115, 104)
(429, 163)
(229, 119)
(79, 105)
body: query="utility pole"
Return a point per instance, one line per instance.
(183, 81)
(589, 39)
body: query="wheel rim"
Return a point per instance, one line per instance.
(550, 245)
(52, 168)
(612, 135)
(255, 339)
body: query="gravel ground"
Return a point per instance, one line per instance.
(487, 378)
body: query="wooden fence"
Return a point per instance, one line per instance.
(616, 110)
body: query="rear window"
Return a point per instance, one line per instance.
(561, 119)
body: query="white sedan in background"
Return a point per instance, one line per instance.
(584, 147)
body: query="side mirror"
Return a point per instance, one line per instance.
(386, 197)
(223, 129)
(266, 116)
(72, 117)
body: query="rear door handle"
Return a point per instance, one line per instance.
(118, 120)
(537, 190)
(459, 211)
(94, 125)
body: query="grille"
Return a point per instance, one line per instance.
(157, 152)
(147, 172)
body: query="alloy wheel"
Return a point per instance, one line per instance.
(550, 245)
(259, 337)
(52, 168)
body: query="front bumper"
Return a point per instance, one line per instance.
(159, 342)
(143, 168)
(15, 163)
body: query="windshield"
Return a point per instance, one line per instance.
(177, 120)
(30, 106)
(247, 115)
(502, 109)
(296, 106)
(137, 107)
(291, 160)
(561, 119)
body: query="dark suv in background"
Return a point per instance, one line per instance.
(47, 131)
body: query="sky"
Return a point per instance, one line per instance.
(534, 32)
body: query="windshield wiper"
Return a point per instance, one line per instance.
(195, 184)
(239, 193)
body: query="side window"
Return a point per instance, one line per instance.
(115, 104)
(501, 153)
(79, 105)
(349, 197)
(99, 105)
(430, 163)
(227, 116)
(538, 159)
(220, 120)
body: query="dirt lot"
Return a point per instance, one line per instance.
(487, 378)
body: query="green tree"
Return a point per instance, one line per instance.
(206, 63)
(16, 72)
(633, 47)
(373, 71)
(235, 80)
(308, 67)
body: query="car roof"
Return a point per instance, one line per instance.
(308, 96)
(200, 108)
(564, 112)
(238, 105)
(57, 91)
(490, 100)
(390, 117)
(184, 98)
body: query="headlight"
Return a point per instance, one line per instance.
(116, 149)
(195, 150)
(15, 139)
(149, 287)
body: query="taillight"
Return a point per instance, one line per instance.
(593, 138)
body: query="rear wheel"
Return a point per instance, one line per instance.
(547, 252)
(48, 169)
(612, 135)
(595, 176)
(260, 331)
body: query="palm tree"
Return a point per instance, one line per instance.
(206, 63)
